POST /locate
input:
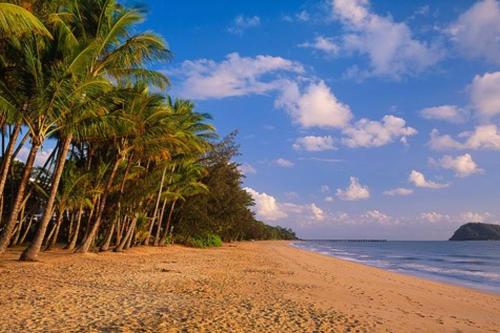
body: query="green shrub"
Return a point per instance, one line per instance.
(208, 240)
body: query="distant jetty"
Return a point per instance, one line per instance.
(349, 240)
(477, 231)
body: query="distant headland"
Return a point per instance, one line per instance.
(477, 231)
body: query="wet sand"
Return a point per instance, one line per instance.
(243, 287)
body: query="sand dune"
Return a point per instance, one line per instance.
(248, 287)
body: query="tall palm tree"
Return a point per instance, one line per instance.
(102, 50)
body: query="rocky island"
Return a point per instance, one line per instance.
(477, 231)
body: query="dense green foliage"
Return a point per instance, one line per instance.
(131, 166)
(477, 231)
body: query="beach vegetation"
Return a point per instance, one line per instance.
(95, 154)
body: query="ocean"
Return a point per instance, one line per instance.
(474, 264)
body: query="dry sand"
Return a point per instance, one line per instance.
(247, 287)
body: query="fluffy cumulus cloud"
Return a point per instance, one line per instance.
(242, 23)
(486, 137)
(266, 206)
(462, 165)
(476, 33)
(247, 169)
(474, 217)
(399, 191)
(322, 44)
(315, 106)
(284, 163)
(317, 213)
(314, 143)
(355, 191)
(485, 92)
(370, 133)
(434, 217)
(376, 215)
(234, 76)
(449, 113)
(392, 50)
(418, 179)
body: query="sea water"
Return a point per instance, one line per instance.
(473, 264)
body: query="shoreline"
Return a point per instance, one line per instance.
(240, 287)
(427, 277)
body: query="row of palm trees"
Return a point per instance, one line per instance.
(76, 76)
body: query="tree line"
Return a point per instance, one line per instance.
(130, 165)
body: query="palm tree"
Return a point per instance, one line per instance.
(109, 52)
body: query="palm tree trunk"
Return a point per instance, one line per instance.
(167, 228)
(74, 238)
(7, 232)
(95, 227)
(128, 235)
(7, 157)
(31, 253)
(21, 241)
(109, 236)
(52, 241)
(157, 238)
(20, 225)
(146, 241)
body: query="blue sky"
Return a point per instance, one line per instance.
(357, 119)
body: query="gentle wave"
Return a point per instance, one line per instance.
(472, 264)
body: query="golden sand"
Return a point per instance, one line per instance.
(243, 287)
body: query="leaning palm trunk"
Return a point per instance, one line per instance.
(84, 248)
(51, 241)
(148, 236)
(31, 253)
(7, 157)
(162, 212)
(109, 236)
(19, 227)
(16, 206)
(21, 241)
(167, 228)
(74, 237)
(126, 240)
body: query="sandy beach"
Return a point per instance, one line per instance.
(243, 287)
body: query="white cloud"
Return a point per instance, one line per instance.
(450, 113)
(354, 192)
(370, 133)
(323, 44)
(389, 45)
(418, 179)
(317, 212)
(329, 199)
(242, 23)
(485, 92)
(434, 217)
(485, 137)
(314, 143)
(377, 216)
(474, 217)
(266, 206)
(324, 189)
(476, 33)
(284, 163)
(463, 165)
(400, 191)
(302, 16)
(317, 106)
(247, 169)
(41, 157)
(234, 76)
